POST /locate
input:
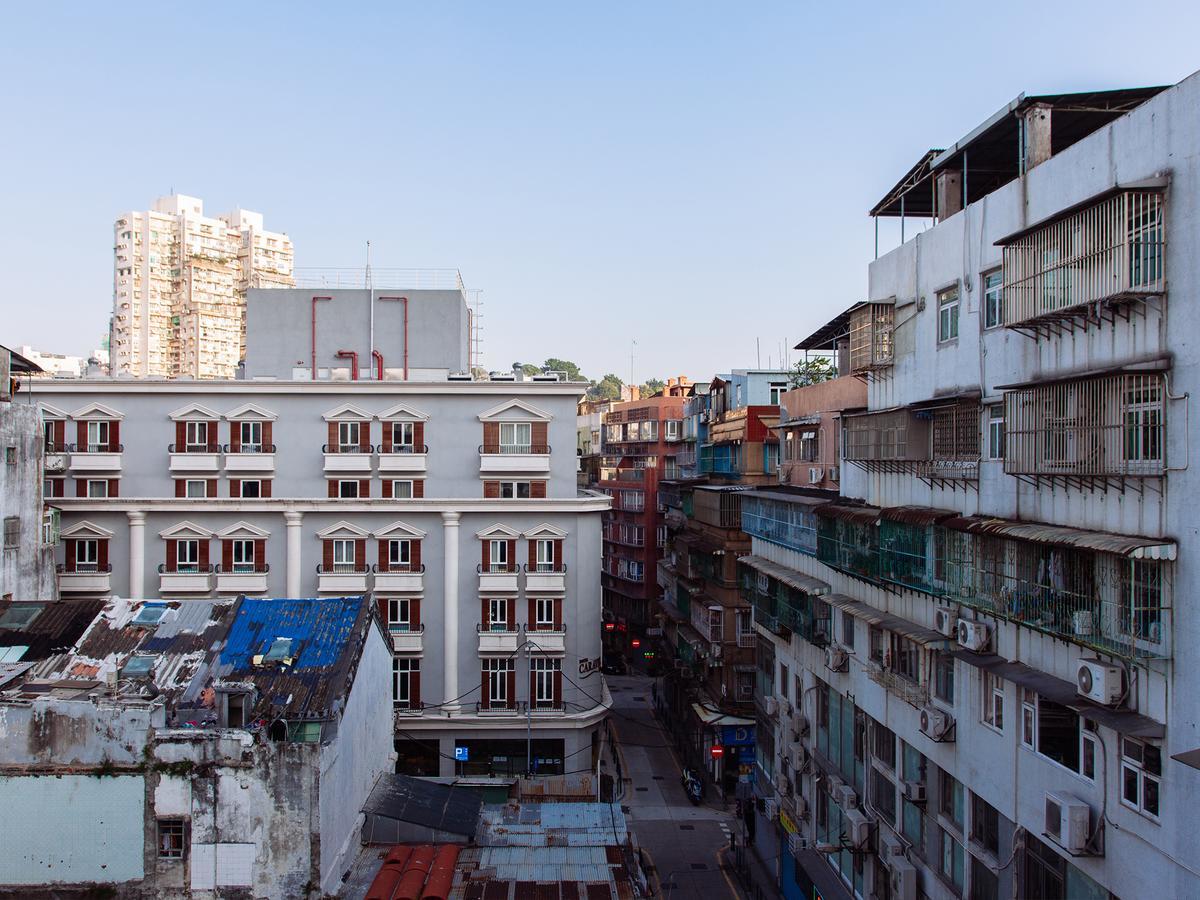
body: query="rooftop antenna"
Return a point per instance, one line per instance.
(368, 272)
(758, 353)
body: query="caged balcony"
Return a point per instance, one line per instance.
(1086, 266)
(871, 326)
(937, 442)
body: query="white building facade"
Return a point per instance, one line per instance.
(974, 666)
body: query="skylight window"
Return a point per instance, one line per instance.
(150, 614)
(281, 649)
(19, 615)
(138, 667)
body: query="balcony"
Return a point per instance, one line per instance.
(1077, 267)
(403, 459)
(547, 640)
(545, 579)
(347, 459)
(80, 580)
(500, 708)
(407, 638)
(253, 458)
(242, 580)
(499, 639)
(787, 521)
(912, 693)
(398, 579)
(195, 460)
(498, 578)
(871, 328)
(500, 459)
(54, 462)
(939, 443)
(95, 458)
(194, 580)
(343, 578)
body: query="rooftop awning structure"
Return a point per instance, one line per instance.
(825, 337)
(1124, 721)
(1129, 546)
(917, 515)
(801, 582)
(398, 800)
(860, 515)
(716, 717)
(922, 635)
(1157, 364)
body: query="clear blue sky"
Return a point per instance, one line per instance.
(696, 175)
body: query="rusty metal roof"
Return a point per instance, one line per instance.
(798, 580)
(547, 825)
(54, 627)
(918, 515)
(886, 620)
(862, 515)
(1130, 546)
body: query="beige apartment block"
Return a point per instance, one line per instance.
(179, 287)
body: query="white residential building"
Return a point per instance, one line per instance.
(179, 287)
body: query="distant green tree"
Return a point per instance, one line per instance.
(811, 371)
(529, 368)
(565, 365)
(607, 388)
(652, 387)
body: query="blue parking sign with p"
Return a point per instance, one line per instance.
(461, 754)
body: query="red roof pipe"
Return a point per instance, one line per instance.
(313, 372)
(389, 875)
(353, 357)
(441, 874)
(378, 357)
(405, 300)
(414, 874)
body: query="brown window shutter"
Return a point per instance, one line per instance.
(491, 437)
(484, 693)
(383, 555)
(418, 437)
(80, 487)
(235, 487)
(360, 554)
(531, 618)
(260, 555)
(235, 437)
(511, 605)
(512, 689)
(102, 555)
(69, 548)
(414, 688)
(211, 434)
(180, 487)
(211, 491)
(172, 556)
(81, 435)
(485, 620)
(558, 689)
(558, 555)
(267, 439)
(381, 604)
(558, 615)
(532, 687)
(202, 556)
(364, 487)
(512, 555)
(327, 556)
(414, 612)
(60, 434)
(333, 487)
(114, 437)
(537, 490)
(332, 438)
(114, 487)
(265, 487)
(385, 489)
(537, 436)
(418, 489)
(180, 436)
(385, 440)
(227, 556)
(416, 556)
(532, 554)
(364, 436)
(487, 553)
(491, 490)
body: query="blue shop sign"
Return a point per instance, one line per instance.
(738, 735)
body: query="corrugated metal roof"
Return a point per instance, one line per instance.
(1060, 535)
(895, 624)
(917, 515)
(553, 825)
(55, 628)
(798, 580)
(862, 515)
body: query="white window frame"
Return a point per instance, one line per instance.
(87, 555)
(1029, 718)
(97, 436)
(543, 613)
(511, 490)
(1135, 765)
(400, 614)
(399, 552)
(345, 431)
(776, 390)
(250, 437)
(992, 687)
(195, 437)
(543, 669)
(673, 429)
(402, 489)
(995, 431)
(992, 284)
(498, 670)
(344, 555)
(242, 555)
(97, 488)
(342, 482)
(498, 555)
(403, 437)
(516, 437)
(258, 482)
(948, 312)
(403, 668)
(498, 614)
(544, 555)
(187, 555)
(192, 492)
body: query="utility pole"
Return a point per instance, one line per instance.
(632, 348)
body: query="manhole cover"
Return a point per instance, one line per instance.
(699, 867)
(687, 827)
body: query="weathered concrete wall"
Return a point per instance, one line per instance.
(66, 733)
(26, 571)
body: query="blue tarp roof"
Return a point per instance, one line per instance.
(318, 627)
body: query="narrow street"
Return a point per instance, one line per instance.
(684, 841)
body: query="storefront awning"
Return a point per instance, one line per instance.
(1123, 721)
(925, 636)
(711, 716)
(1130, 546)
(801, 582)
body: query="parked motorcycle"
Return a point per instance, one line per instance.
(693, 785)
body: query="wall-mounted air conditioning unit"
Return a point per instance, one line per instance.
(890, 845)
(914, 791)
(1098, 681)
(800, 808)
(796, 844)
(904, 879)
(1068, 820)
(945, 621)
(835, 473)
(836, 659)
(973, 635)
(937, 724)
(815, 474)
(771, 705)
(858, 829)
(846, 797)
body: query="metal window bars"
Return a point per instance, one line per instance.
(871, 337)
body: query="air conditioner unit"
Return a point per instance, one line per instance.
(936, 724)
(815, 474)
(914, 791)
(797, 844)
(787, 708)
(945, 621)
(858, 829)
(973, 635)
(796, 758)
(836, 659)
(846, 798)
(800, 807)
(904, 879)
(771, 705)
(770, 808)
(1099, 681)
(835, 473)
(890, 846)
(1067, 821)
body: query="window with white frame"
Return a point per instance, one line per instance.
(343, 555)
(250, 437)
(661, 535)
(87, 555)
(1141, 774)
(993, 299)
(516, 437)
(97, 437)
(947, 302)
(97, 488)
(399, 614)
(777, 389)
(196, 434)
(498, 614)
(993, 699)
(402, 490)
(544, 670)
(498, 555)
(543, 613)
(1143, 403)
(347, 489)
(497, 680)
(187, 556)
(403, 437)
(348, 437)
(399, 555)
(545, 555)
(515, 490)
(243, 555)
(995, 431)
(637, 570)
(195, 488)
(673, 429)
(810, 446)
(403, 681)
(1028, 718)
(1089, 746)
(250, 487)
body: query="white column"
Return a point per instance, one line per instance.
(293, 520)
(137, 554)
(450, 610)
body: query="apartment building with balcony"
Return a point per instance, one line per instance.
(973, 667)
(639, 444)
(742, 410)
(695, 430)
(451, 501)
(179, 287)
